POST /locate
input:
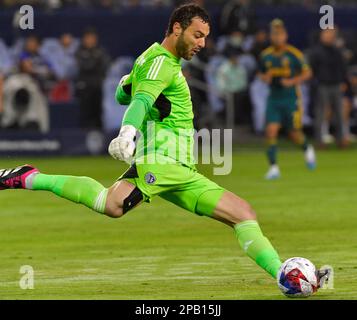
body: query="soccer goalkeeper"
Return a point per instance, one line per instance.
(159, 101)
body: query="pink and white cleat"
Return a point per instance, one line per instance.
(17, 178)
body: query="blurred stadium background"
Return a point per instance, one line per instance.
(70, 64)
(57, 98)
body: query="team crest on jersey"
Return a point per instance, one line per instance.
(150, 178)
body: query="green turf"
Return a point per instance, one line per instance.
(160, 251)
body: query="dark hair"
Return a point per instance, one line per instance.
(90, 31)
(184, 15)
(33, 36)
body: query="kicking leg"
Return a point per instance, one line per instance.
(237, 213)
(113, 202)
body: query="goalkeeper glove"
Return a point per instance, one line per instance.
(123, 146)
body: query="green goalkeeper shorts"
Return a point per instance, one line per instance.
(177, 183)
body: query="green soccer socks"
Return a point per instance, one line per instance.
(82, 190)
(257, 247)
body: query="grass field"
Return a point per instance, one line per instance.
(160, 251)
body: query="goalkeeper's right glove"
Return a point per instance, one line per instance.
(123, 146)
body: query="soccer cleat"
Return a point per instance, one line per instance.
(310, 157)
(17, 178)
(273, 173)
(323, 276)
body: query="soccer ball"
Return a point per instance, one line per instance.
(297, 278)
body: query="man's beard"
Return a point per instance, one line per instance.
(182, 48)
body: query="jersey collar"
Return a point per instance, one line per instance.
(168, 52)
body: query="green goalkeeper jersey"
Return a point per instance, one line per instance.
(167, 133)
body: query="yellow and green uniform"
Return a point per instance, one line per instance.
(164, 163)
(284, 104)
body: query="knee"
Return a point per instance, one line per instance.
(247, 212)
(244, 213)
(114, 213)
(113, 209)
(271, 134)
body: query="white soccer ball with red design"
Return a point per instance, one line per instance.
(297, 278)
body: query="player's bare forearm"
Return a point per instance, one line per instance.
(297, 80)
(305, 75)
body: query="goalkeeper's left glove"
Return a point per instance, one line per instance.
(123, 146)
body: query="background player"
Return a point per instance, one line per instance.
(283, 67)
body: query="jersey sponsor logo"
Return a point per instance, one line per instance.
(150, 178)
(155, 68)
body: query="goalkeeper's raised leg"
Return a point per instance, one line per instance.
(83, 190)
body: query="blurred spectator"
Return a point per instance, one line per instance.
(6, 61)
(238, 15)
(258, 89)
(234, 39)
(261, 42)
(259, 93)
(195, 71)
(353, 83)
(35, 65)
(344, 43)
(24, 101)
(61, 55)
(1, 94)
(329, 69)
(214, 96)
(232, 79)
(112, 113)
(349, 102)
(92, 63)
(353, 53)
(69, 46)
